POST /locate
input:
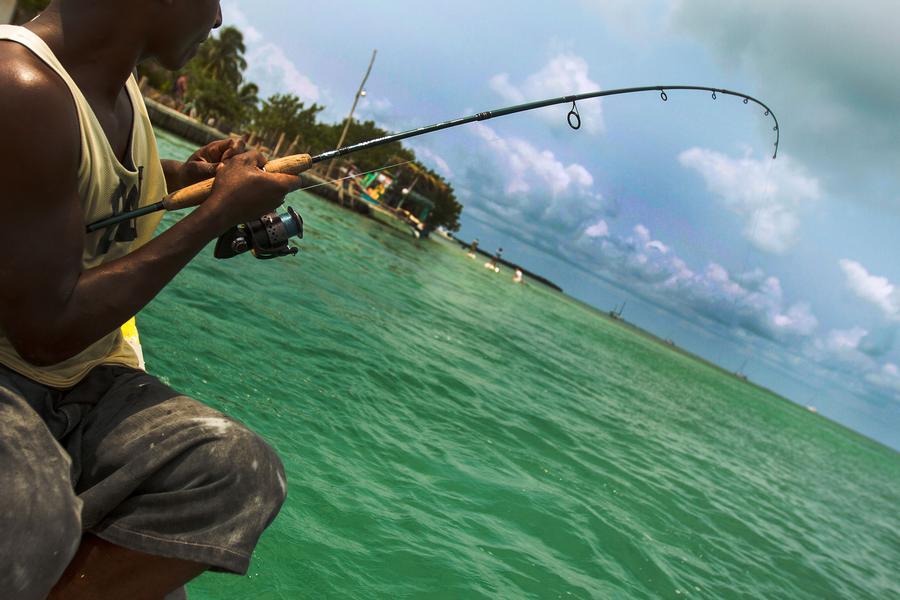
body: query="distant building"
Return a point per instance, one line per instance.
(7, 10)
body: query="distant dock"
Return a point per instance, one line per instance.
(181, 125)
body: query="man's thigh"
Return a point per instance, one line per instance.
(165, 474)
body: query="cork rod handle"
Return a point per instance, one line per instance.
(194, 195)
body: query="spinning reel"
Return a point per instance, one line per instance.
(267, 237)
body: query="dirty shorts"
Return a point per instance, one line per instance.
(126, 458)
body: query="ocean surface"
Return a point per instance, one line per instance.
(450, 434)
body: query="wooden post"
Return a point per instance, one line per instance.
(359, 92)
(278, 145)
(292, 149)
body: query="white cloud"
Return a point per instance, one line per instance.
(529, 169)
(752, 302)
(563, 75)
(268, 63)
(233, 15)
(871, 288)
(830, 68)
(441, 165)
(528, 191)
(598, 229)
(769, 195)
(886, 378)
(843, 352)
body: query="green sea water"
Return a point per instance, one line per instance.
(449, 434)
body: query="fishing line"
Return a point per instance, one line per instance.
(766, 196)
(331, 181)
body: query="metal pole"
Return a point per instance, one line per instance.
(359, 92)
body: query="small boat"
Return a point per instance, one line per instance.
(372, 189)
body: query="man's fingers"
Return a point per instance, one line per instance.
(290, 183)
(251, 158)
(235, 147)
(203, 170)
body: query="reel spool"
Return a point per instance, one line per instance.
(268, 237)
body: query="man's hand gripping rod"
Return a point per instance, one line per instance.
(267, 237)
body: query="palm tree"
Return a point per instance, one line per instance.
(223, 56)
(248, 97)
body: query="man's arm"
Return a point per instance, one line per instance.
(51, 309)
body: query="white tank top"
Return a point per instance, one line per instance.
(105, 187)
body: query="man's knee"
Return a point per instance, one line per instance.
(258, 471)
(248, 474)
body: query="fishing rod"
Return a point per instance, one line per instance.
(268, 237)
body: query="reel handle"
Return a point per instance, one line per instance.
(194, 195)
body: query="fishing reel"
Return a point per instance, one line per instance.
(267, 237)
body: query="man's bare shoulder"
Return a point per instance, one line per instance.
(37, 112)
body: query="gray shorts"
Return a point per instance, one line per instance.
(126, 458)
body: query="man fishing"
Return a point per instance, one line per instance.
(112, 485)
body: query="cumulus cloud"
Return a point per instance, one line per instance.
(830, 69)
(769, 195)
(433, 158)
(564, 74)
(872, 288)
(843, 351)
(598, 229)
(751, 302)
(233, 15)
(886, 378)
(527, 191)
(268, 63)
(528, 167)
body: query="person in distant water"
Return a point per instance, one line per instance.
(518, 277)
(473, 248)
(112, 484)
(181, 88)
(494, 263)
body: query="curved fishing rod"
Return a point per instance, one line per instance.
(296, 164)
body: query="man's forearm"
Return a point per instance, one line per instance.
(109, 295)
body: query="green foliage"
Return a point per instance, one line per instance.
(367, 160)
(222, 57)
(215, 78)
(157, 77)
(288, 114)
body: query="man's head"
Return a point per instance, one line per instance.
(178, 27)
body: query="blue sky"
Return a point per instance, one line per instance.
(790, 265)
